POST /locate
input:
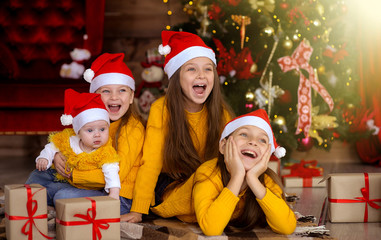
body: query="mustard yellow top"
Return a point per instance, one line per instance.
(205, 200)
(153, 150)
(130, 145)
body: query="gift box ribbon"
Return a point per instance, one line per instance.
(364, 198)
(89, 218)
(305, 170)
(31, 207)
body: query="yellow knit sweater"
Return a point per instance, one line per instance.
(83, 161)
(130, 144)
(205, 200)
(153, 150)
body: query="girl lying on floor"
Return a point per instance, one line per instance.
(237, 188)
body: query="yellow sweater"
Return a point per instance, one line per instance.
(130, 144)
(205, 200)
(153, 150)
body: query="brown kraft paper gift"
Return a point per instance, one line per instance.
(354, 197)
(26, 212)
(88, 218)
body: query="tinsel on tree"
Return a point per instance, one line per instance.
(274, 54)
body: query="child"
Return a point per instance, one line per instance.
(87, 145)
(237, 188)
(183, 126)
(111, 78)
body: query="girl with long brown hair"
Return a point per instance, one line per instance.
(183, 127)
(237, 188)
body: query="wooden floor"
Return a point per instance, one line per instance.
(16, 170)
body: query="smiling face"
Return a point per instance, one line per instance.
(117, 99)
(93, 135)
(252, 143)
(196, 81)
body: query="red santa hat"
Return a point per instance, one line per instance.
(109, 68)
(82, 108)
(257, 118)
(180, 47)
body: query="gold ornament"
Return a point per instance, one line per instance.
(317, 23)
(268, 5)
(242, 21)
(269, 31)
(249, 96)
(295, 37)
(253, 68)
(280, 121)
(287, 43)
(321, 70)
(320, 9)
(320, 122)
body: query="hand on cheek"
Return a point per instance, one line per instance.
(262, 164)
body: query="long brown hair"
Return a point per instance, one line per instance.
(180, 158)
(131, 112)
(252, 214)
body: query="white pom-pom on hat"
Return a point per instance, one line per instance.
(66, 120)
(164, 50)
(280, 152)
(88, 75)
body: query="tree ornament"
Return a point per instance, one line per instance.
(249, 96)
(295, 37)
(297, 61)
(287, 43)
(267, 5)
(320, 122)
(280, 121)
(320, 8)
(268, 31)
(253, 68)
(242, 21)
(305, 144)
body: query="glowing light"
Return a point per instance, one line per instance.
(168, 27)
(226, 83)
(169, 12)
(280, 131)
(290, 109)
(165, 1)
(190, 3)
(214, 31)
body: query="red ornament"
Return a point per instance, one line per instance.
(286, 97)
(284, 5)
(305, 144)
(215, 12)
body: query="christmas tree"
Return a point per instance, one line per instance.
(294, 58)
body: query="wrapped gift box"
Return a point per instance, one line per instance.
(354, 197)
(23, 203)
(302, 174)
(274, 164)
(88, 218)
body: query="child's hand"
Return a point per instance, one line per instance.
(261, 166)
(42, 164)
(132, 217)
(232, 160)
(114, 193)
(59, 163)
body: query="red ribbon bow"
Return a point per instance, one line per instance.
(364, 198)
(90, 219)
(299, 60)
(31, 207)
(305, 170)
(336, 55)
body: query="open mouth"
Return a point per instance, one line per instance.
(114, 108)
(199, 88)
(250, 154)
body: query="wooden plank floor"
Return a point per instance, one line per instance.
(16, 170)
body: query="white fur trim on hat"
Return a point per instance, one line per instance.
(280, 152)
(164, 50)
(252, 121)
(88, 75)
(66, 120)
(189, 53)
(89, 115)
(111, 78)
